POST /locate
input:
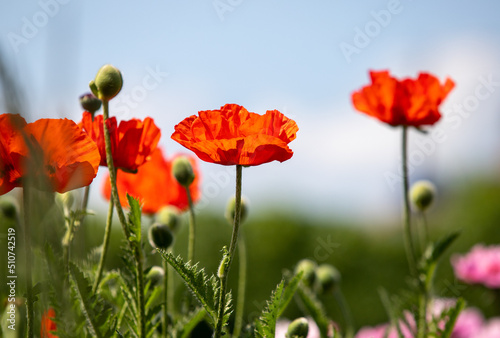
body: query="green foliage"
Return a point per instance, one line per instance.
(188, 322)
(134, 219)
(315, 309)
(452, 315)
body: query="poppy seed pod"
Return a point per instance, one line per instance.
(307, 267)
(422, 194)
(107, 83)
(90, 103)
(183, 171)
(155, 275)
(160, 236)
(169, 216)
(231, 207)
(299, 328)
(327, 277)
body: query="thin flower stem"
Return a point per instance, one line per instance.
(27, 247)
(192, 226)
(422, 314)
(121, 216)
(232, 247)
(242, 277)
(349, 325)
(171, 289)
(165, 299)
(410, 251)
(66, 241)
(105, 244)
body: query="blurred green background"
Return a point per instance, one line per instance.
(369, 256)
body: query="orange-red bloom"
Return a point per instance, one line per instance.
(232, 135)
(56, 153)
(408, 102)
(48, 325)
(154, 185)
(132, 142)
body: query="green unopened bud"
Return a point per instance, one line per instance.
(422, 194)
(160, 236)
(299, 328)
(221, 272)
(231, 209)
(169, 216)
(155, 275)
(328, 278)
(107, 83)
(308, 268)
(9, 207)
(90, 103)
(183, 171)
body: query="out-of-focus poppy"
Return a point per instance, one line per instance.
(132, 142)
(154, 184)
(234, 136)
(56, 153)
(407, 102)
(48, 325)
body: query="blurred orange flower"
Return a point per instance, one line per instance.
(48, 325)
(132, 142)
(154, 184)
(232, 135)
(407, 102)
(53, 151)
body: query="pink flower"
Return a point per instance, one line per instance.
(468, 324)
(385, 330)
(490, 330)
(481, 265)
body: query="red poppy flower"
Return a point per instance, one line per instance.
(48, 325)
(408, 102)
(53, 151)
(232, 135)
(132, 142)
(154, 184)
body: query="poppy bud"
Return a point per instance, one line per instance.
(169, 215)
(107, 83)
(299, 328)
(183, 171)
(307, 267)
(221, 272)
(422, 194)
(328, 278)
(155, 275)
(231, 207)
(90, 103)
(160, 236)
(8, 207)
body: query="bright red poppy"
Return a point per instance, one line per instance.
(56, 153)
(409, 102)
(132, 142)
(155, 185)
(48, 325)
(232, 135)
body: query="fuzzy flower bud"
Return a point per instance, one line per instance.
(328, 278)
(90, 103)
(422, 194)
(183, 171)
(160, 236)
(155, 275)
(307, 267)
(107, 83)
(169, 216)
(231, 207)
(299, 328)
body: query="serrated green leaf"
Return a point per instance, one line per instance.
(266, 324)
(134, 219)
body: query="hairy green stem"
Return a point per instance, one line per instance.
(192, 226)
(232, 247)
(410, 251)
(242, 278)
(28, 264)
(105, 245)
(165, 299)
(140, 291)
(171, 288)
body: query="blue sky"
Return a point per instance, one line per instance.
(303, 58)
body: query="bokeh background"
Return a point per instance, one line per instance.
(303, 58)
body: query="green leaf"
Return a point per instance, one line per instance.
(205, 289)
(186, 324)
(439, 247)
(453, 315)
(315, 309)
(134, 219)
